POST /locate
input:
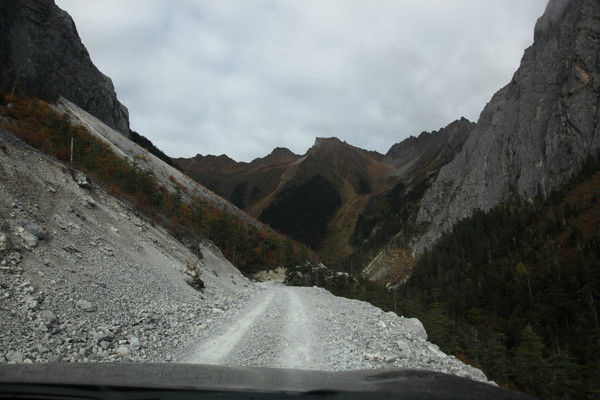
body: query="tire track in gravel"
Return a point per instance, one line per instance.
(297, 352)
(217, 349)
(273, 331)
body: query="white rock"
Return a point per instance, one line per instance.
(416, 328)
(134, 342)
(372, 356)
(81, 179)
(14, 357)
(47, 317)
(30, 303)
(30, 239)
(123, 351)
(89, 202)
(403, 348)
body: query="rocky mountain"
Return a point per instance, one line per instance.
(415, 157)
(334, 196)
(305, 196)
(169, 177)
(41, 54)
(44, 58)
(536, 132)
(113, 265)
(323, 193)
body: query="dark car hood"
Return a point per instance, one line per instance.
(403, 383)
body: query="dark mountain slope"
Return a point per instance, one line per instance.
(316, 197)
(417, 157)
(41, 54)
(148, 145)
(244, 184)
(513, 291)
(340, 178)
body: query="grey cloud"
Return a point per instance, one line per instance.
(242, 77)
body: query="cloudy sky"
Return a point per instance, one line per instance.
(242, 77)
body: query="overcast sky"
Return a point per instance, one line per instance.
(243, 77)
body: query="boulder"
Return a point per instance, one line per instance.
(48, 318)
(15, 357)
(415, 328)
(134, 342)
(32, 228)
(123, 351)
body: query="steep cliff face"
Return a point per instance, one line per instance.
(41, 54)
(536, 131)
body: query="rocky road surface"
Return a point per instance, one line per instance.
(309, 328)
(85, 277)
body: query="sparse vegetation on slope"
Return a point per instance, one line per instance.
(247, 247)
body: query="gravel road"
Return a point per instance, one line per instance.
(309, 328)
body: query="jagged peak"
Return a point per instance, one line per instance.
(320, 141)
(522, 143)
(222, 157)
(425, 136)
(42, 51)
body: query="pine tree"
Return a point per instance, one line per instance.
(530, 369)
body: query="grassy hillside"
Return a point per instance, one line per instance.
(247, 247)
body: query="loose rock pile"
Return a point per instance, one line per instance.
(83, 277)
(349, 328)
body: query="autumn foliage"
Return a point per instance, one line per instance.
(249, 248)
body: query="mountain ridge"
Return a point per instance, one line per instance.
(354, 178)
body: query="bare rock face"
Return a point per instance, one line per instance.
(535, 132)
(41, 54)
